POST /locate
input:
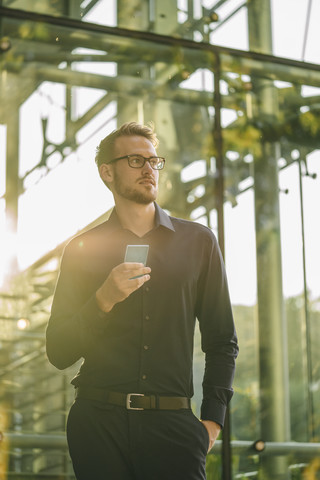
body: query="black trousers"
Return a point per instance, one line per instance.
(107, 442)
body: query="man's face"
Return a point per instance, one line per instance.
(140, 185)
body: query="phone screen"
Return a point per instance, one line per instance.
(137, 253)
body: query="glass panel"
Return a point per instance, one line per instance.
(241, 270)
(293, 288)
(270, 128)
(195, 20)
(96, 11)
(223, 22)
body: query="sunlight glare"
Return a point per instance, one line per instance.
(8, 254)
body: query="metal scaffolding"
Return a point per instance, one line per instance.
(155, 50)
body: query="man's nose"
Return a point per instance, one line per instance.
(147, 167)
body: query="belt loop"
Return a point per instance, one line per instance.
(153, 401)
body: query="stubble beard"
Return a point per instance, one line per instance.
(130, 193)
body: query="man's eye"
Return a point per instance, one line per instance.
(136, 160)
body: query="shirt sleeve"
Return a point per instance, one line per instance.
(75, 319)
(218, 334)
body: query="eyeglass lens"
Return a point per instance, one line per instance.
(137, 161)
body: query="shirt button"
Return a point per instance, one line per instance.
(144, 377)
(147, 317)
(146, 347)
(147, 289)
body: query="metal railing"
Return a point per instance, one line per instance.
(239, 447)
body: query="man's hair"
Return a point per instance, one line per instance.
(104, 152)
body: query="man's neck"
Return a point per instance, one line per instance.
(137, 218)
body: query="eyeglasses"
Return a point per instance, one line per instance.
(137, 161)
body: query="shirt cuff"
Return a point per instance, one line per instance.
(213, 410)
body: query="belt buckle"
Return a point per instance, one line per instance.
(128, 401)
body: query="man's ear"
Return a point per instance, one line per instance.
(106, 172)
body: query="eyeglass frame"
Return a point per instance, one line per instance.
(146, 159)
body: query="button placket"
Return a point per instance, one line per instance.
(145, 344)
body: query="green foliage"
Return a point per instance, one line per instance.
(245, 409)
(213, 467)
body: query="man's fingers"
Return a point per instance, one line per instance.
(122, 281)
(135, 270)
(134, 266)
(213, 430)
(137, 281)
(142, 279)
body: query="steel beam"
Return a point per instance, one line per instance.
(273, 357)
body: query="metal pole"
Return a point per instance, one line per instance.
(218, 147)
(12, 184)
(310, 413)
(273, 357)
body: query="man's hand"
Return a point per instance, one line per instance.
(120, 284)
(213, 431)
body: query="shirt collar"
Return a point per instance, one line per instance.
(161, 219)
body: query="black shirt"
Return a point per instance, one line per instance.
(145, 343)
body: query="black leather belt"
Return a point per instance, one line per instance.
(133, 401)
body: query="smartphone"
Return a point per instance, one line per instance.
(137, 253)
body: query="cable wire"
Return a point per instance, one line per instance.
(306, 31)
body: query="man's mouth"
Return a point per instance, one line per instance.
(147, 181)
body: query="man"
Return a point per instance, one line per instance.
(133, 325)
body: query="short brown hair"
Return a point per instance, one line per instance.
(104, 151)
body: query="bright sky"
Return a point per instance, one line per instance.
(72, 195)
